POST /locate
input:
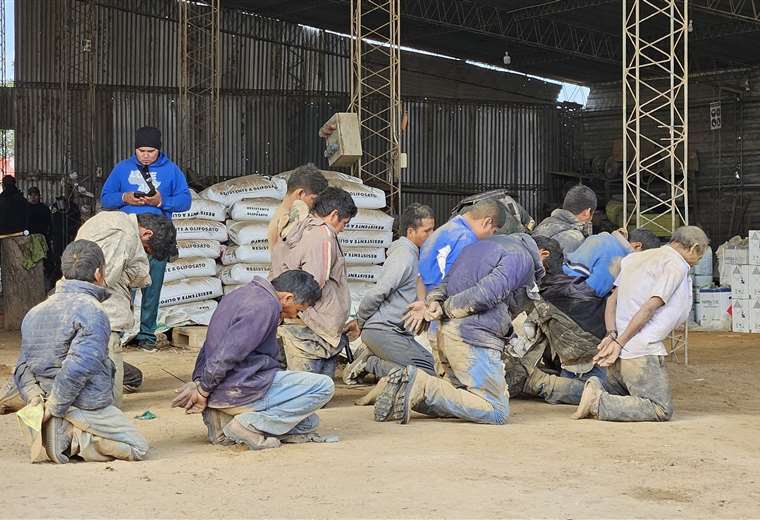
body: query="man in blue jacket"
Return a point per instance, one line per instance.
(598, 258)
(473, 304)
(238, 385)
(64, 363)
(147, 182)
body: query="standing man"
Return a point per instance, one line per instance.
(238, 385)
(388, 343)
(304, 185)
(39, 213)
(652, 297)
(13, 208)
(312, 343)
(567, 225)
(148, 182)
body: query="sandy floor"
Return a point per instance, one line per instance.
(705, 463)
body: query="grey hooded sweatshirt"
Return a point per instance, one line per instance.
(564, 227)
(383, 306)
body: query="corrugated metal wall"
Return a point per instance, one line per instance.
(727, 161)
(280, 82)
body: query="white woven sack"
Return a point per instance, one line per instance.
(200, 229)
(248, 187)
(364, 196)
(261, 210)
(364, 273)
(237, 274)
(204, 209)
(254, 253)
(244, 233)
(329, 175)
(370, 220)
(364, 255)
(190, 290)
(365, 238)
(189, 268)
(194, 313)
(357, 290)
(199, 247)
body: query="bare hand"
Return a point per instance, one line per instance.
(414, 319)
(155, 200)
(183, 394)
(197, 402)
(129, 198)
(327, 130)
(434, 311)
(352, 330)
(609, 350)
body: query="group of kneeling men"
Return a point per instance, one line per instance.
(558, 315)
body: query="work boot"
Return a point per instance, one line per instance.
(355, 370)
(215, 421)
(589, 405)
(394, 402)
(56, 438)
(371, 397)
(10, 398)
(250, 436)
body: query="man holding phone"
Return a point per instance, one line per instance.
(147, 182)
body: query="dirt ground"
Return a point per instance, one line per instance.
(705, 463)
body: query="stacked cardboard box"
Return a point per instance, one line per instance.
(744, 272)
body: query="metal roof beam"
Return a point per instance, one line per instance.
(747, 10)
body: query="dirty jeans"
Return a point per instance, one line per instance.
(115, 353)
(474, 388)
(305, 351)
(151, 296)
(639, 391)
(393, 349)
(288, 406)
(104, 434)
(565, 388)
(434, 332)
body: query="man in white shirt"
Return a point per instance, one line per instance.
(652, 296)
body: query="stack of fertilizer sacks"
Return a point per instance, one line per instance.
(222, 242)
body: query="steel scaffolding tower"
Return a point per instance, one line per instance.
(655, 119)
(200, 82)
(376, 93)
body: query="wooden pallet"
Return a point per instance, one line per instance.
(189, 337)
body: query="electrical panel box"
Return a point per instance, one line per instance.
(344, 145)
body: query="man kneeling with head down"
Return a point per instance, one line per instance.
(64, 362)
(237, 383)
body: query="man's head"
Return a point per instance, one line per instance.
(551, 254)
(416, 223)
(486, 217)
(690, 242)
(9, 182)
(158, 235)
(147, 144)
(297, 291)
(306, 183)
(34, 195)
(642, 239)
(581, 202)
(83, 260)
(336, 207)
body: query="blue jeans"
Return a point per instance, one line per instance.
(289, 404)
(150, 298)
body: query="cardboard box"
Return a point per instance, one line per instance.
(344, 145)
(754, 315)
(740, 310)
(713, 308)
(740, 282)
(753, 282)
(754, 246)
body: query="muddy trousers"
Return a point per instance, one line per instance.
(103, 435)
(305, 351)
(639, 391)
(474, 388)
(392, 350)
(565, 388)
(288, 407)
(115, 353)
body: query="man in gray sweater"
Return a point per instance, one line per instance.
(388, 343)
(567, 225)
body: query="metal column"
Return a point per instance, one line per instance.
(3, 56)
(655, 119)
(376, 93)
(200, 82)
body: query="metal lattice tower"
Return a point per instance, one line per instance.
(376, 93)
(655, 119)
(200, 82)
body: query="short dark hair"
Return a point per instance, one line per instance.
(308, 178)
(413, 216)
(34, 190)
(646, 238)
(333, 199)
(579, 198)
(489, 208)
(81, 259)
(556, 256)
(301, 284)
(163, 243)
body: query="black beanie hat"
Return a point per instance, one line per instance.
(148, 137)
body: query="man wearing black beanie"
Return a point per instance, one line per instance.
(147, 182)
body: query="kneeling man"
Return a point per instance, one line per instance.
(237, 383)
